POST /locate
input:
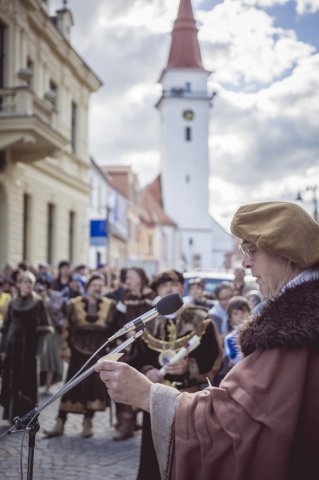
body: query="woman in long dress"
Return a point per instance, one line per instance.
(25, 325)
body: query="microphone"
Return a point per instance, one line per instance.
(166, 306)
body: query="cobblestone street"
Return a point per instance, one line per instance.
(71, 457)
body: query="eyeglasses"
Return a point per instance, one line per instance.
(247, 249)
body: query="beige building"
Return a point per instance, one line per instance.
(125, 181)
(159, 239)
(44, 160)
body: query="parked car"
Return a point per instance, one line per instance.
(212, 279)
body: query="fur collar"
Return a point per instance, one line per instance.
(289, 322)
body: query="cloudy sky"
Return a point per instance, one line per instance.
(264, 129)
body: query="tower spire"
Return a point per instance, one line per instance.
(185, 51)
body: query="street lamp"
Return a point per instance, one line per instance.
(110, 205)
(108, 244)
(313, 189)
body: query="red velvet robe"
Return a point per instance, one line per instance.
(263, 421)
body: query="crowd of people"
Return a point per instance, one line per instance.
(52, 324)
(240, 404)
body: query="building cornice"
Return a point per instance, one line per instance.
(43, 24)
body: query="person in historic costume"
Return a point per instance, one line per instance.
(88, 324)
(25, 325)
(263, 421)
(4, 301)
(161, 340)
(137, 298)
(51, 366)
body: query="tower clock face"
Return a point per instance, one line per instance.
(188, 115)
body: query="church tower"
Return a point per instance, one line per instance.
(184, 116)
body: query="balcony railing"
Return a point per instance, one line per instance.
(28, 124)
(22, 102)
(180, 92)
(183, 92)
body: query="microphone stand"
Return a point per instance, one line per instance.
(29, 422)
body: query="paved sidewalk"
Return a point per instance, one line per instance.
(71, 457)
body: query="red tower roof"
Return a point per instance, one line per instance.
(185, 51)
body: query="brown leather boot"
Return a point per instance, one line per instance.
(125, 430)
(57, 430)
(87, 430)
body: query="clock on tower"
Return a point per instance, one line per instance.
(188, 115)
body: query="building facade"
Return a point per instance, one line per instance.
(45, 88)
(159, 248)
(108, 222)
(125, 181)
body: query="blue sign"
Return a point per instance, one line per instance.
(98, 228)
(97, 242)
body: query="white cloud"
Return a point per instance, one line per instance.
(146, 165)
(155, 16)
(266, 142)
(223, 206)
(243, 47)
(265, 3)
(307, 6)
(275, 138)
(302, 6)
(265, 121)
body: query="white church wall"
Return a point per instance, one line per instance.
(166, 247)
(222, 245)
(206, 249)
(196, 249)
(185, 164)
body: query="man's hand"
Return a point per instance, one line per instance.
(125, 384)
(177, 368)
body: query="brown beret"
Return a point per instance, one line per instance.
(166, 276)
(280, 227)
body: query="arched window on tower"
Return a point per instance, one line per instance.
(188, 134)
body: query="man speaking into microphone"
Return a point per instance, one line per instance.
(263, 421)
